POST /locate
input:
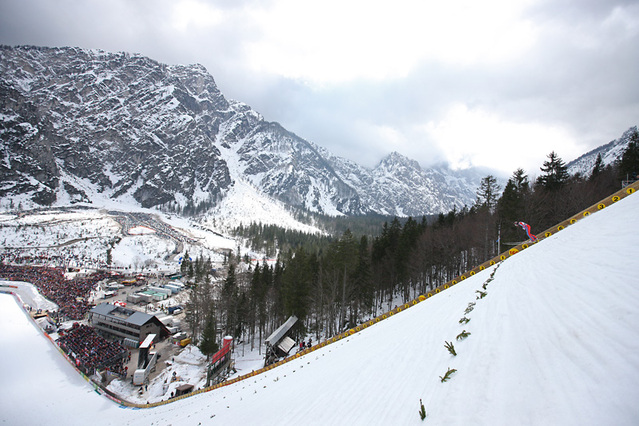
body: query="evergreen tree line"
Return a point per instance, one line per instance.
(272, 239)
(350, 278)
(191, 209)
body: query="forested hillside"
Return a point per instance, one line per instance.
(332, 284)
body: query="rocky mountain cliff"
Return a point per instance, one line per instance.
(81, 126)
(610, 152)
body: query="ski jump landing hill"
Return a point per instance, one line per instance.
(622, 193)
(502, 257)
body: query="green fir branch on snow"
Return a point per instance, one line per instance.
(464, 320)
(450, 348)
(463, 335)
(447, 375)
(422, 410)
(492, 276)
(482, 294)
(470, 308)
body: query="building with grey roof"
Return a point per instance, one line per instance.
(123, 323)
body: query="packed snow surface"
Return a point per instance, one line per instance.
(83, 237)
(554, 342)
(29, 295)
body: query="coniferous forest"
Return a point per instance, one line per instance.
(333, 283)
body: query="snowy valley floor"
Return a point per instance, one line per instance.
(554, 342)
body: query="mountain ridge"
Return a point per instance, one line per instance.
(610, 152)
(123, 125)
(89, 126)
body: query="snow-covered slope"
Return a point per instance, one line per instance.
(554, 342)
(137, 239)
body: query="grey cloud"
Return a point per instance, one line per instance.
(581, 74)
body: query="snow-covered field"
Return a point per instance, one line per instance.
(29, 295)
(84, 236)
(554, 342)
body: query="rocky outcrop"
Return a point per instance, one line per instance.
(79, 125)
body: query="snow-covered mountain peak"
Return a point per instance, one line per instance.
(396, 160)
(80, 126)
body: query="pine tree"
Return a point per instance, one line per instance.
(193, 310)
(256, 301)
(511, 207)
(487, 193)
(186, 266)
(242, 314)
(598, 168)
(296, 280)
(208, 346)
(629, 163)
(555, 173)
(347, 250)
(229, 299)
(199, 303)
(364, 290)
(521, 181)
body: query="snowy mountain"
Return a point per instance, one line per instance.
(88, 126)
(553, 342)
(400, 186)
(610, 152)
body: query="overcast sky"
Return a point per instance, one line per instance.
(494, 83)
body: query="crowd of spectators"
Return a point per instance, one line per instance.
(71, 296)
(63, 257)
(92, 352)
(89, 350)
